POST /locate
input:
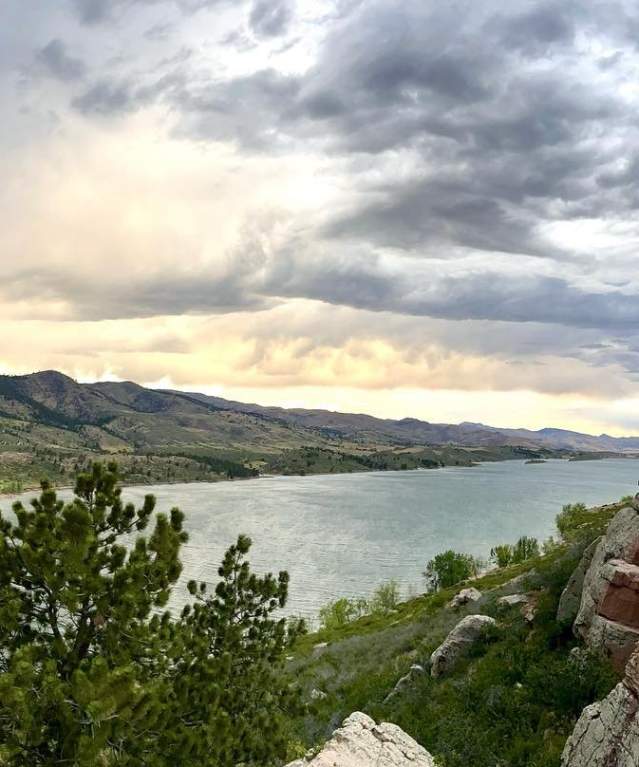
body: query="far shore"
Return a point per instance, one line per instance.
(34, 488)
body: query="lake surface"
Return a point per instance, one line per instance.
(343, 535)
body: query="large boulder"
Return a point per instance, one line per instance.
(465, 596)
(608, 616)
(458, 643)
(570, 599)
(607, 733)
(359, 742)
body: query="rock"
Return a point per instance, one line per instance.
(319, 647)
(457, 644)
(464, 597)
(407, 680)
(528, 607)
(528, 611)
(571, 596)
(513, 599)
(520, 581)
(318, 694)
(608, 617)
(607, 733)
(359, 742)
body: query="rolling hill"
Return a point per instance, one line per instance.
(50, 423)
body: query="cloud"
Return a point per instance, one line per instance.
(94, 12)
(506, 124)
(424, 289)
(57, 63)
(270, 18)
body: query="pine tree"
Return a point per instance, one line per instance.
(91, 671)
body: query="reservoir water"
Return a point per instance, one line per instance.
(343, 535)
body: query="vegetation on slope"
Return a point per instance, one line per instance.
(512, 703)
(92, 672)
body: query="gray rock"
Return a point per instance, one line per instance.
(607, 733)
(465, 596)
(406, 681)
(359, 742)
(570, 599)
(458, 643)
(319, 648)
(520, 581)
(513, 599)
(318, 694)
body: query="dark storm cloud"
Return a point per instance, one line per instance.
(539, 29)
(150, 295)
(489, 295)
(507, 127)
(112, 97)
(58, 63)
(270, 18)
(93, 12)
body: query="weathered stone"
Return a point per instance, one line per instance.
(458, 643)
(521, 581)
(406, 681)
(571, 595)
(513, 599)
(319, 648)
(465, 596)
(318, 694)
(607, 733)
(359, 742)
(608, 617)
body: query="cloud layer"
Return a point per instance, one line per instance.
(465, 171)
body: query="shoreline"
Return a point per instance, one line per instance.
(137, 485)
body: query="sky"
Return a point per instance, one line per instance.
(416, 208)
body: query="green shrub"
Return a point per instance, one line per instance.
(341, 612)
(570, 518)
(525, 548)
(385, 599)
(449, 568)
(502, 555)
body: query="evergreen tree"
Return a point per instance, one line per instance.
(91, 672)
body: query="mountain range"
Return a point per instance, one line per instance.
(51, 416)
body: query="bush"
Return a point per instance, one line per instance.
(341, 612)
(525, 548)
(505, 554)
(450, 568)
(569, 519)
(502, 555)
(385, 599)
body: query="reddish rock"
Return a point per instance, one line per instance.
(608, 616)
(620, 601)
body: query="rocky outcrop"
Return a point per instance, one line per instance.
(458, 643)
(465, 596)
(608, 617)
(607, 733)
(571, 596)
(359, 742)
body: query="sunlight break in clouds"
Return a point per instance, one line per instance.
(422, 210)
